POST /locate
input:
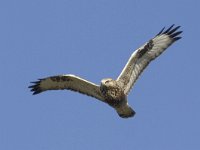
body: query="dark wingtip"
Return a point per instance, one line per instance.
(36, 92)
(175, 34)
(35, 88)
(31, 86)
(177, 38)
(172, 32)
(169, 29)
(161, 31)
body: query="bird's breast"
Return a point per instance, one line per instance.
(114, 96)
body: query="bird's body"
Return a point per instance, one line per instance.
(115, 97)
(110, 91)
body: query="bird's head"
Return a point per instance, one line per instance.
(107, 84)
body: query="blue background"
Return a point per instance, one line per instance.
(94, 39)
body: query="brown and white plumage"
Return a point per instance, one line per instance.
(114, 92)
(69, 82)
(140, 59)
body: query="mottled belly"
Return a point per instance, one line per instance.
(114, 97)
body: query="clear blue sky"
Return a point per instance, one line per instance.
(94, 39)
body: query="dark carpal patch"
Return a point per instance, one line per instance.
(146, 48)
(55, 78)
(65, 78)
(60, 78)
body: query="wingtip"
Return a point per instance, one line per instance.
(161, 31)
(177, 38)
(172, 32)
(36, 92)
(169, 29)
(35, 87)
(175, 34)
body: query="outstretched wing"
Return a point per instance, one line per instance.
(69, 82)
(145, 54)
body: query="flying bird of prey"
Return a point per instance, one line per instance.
(110, 91)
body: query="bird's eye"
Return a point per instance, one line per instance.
(107, 81)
